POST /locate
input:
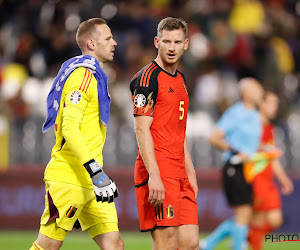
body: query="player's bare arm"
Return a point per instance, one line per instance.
(190, 170)
(217, 139)
(142, 126)
(287, 185)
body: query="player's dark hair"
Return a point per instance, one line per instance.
(171, 23)
(87, 28)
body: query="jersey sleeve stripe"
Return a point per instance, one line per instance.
(149, 75)
(146, 75)
(142, 78)
(83, 79)
(87, 79)
(185, 88)
(134, 75)
(89, 82)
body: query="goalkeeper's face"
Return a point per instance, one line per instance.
(171, 44)
(104, 43)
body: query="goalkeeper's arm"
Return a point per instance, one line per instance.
(104, 187)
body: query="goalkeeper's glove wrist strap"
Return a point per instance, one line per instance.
(92, 167)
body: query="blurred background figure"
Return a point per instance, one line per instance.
(266, 196)
(238, 133)
(16, 110)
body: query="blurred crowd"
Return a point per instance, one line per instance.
(229, 39)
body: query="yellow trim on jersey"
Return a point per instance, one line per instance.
(80, 135)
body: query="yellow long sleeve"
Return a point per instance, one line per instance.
(80, 135)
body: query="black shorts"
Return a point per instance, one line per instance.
(237, 191)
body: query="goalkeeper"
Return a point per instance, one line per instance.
(77, 189)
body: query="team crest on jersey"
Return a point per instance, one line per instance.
(170, 212)
(75, 97)
(139, 100)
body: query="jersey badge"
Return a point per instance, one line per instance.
(75, 97)
(170, 212)
(139, 100)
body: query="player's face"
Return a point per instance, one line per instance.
(104, 43)
(269, 106)
(171, 45)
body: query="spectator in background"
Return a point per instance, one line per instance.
(237, 133)
(14, 76)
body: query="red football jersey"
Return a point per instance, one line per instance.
(266, 194)
(164, 97)
(267, 139)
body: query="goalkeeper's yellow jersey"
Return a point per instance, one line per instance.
(80, 135)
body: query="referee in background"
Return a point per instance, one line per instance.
(237, 133)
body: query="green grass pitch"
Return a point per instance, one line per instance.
(20, 240)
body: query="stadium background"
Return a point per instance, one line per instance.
(228, 40)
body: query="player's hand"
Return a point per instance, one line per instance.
(156, 190)
(238, 158)
(104, 187)
(287, 187)
(194, 184)
(268, 148)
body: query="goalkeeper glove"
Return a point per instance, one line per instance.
(104, 187)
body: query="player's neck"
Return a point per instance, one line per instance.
(248, 105)
(93, 55)
(264, 119)
(170, 68)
